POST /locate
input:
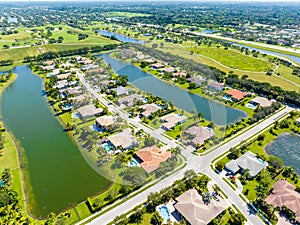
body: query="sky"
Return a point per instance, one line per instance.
(9, 1)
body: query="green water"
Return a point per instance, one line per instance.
(287, 147)
(59, 175)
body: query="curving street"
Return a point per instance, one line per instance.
(196, 163)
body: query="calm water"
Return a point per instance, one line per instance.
(286, 147)
(295, 58)
(211, 110)
(59, 175)
(120, 37)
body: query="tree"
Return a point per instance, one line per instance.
(156, 219)
(150, 142)
(275, 162)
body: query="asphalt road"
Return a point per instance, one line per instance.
(196, 163)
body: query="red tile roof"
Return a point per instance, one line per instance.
(284, 194)
(236, 94)
(152, 157)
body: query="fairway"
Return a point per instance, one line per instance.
(70, 41)
(233, 58)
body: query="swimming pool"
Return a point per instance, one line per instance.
(75, 116)
(134, 162)
(227, 98)
(250, 106)
(106, 146)
(165, 214)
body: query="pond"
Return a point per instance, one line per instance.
(59, 176)
(211, 110)
(120, 37)
(287, 147)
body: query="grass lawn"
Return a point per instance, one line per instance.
(145, 221)
(70, 42)
(285, 80)
(233, 58)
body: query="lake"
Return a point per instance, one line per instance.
(286, 147)
(213, 111)
(120, 37)
(59, 175)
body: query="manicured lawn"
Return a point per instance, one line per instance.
(234, 59)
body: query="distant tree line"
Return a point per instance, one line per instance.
(80, 51)
(189, 65)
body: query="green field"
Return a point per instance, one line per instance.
(286, 80)
(70, 41)
(233, 59)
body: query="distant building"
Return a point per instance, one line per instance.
(216, 86)
(157, 65)
(249, 162)
(12, 20)
(151, 157)
(198, 80)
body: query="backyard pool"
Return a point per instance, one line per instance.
(107, 147)
(286, 147)
(164, 212)
(227, 98)
(250, 106)
(134, 162)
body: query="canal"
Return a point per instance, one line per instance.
(211, 110)
(59, 176)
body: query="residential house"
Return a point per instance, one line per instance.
(157, 66)
(123, 140)
(151, 157)
(197, 135)
(171, 120)
(249, 162)
(89, 67)
(63, 76)
(237, 95)
(148, 109)
(198, 80)
(89, 111)
(284, 194)
(130, 100)
(61, 84)
(179, 74)
(105, 122)
(195, 211)
(216, 86)
(168, 70)
(120, 90)
(261, 101)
